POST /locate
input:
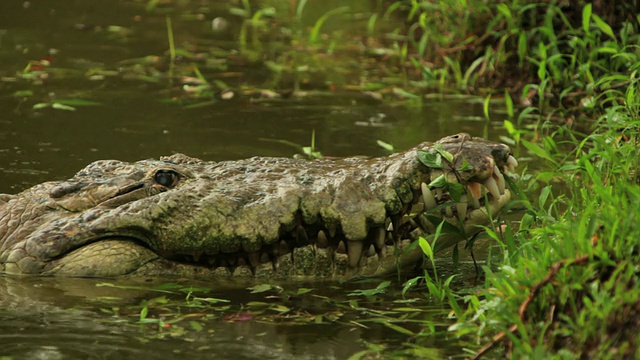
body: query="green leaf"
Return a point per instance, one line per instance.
(505, 11)
(434, 289)
(211, 300)
(22, 93)
(442, 151)
(537, 150)
(607, 50)
(59, 106)
(631, 95)
(239, 12)
(586, 17)
(439, 182)
(485, 106)
(509, 103)
(78, 102)
(133, 287)
(279, 308)
(302, 291)
(542, 70)
(465, 165)
(143, 313)
(544, 194)
(526, 222)
(195, 325)
(39, 106)
(385, 145)
(399, 329)
(522, 46)
(431, 159)
(438, 232)
(508, 125)
(426, 247)
(264, 288)
(380, 289)
(257, 304)
(314, 35)
(455, 190)
(603, 26)
(405, 94)
(170, 286)
(409, 284)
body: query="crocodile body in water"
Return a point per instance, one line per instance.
(259, 217)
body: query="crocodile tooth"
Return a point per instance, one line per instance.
(499, 179)
(426, 224)
(212, 260)
(301, 236)
(390, 227)
(475, 189)
(419, 206)
(283, 248)
(341, 248)
(404, 244)
(196, 256)
(395, 220)
(417, 233)
(492, 186)
(438, 194)
(461, 207)
(381, 237)
(473, 200)
(512, 163)
(427, 197)
(372, 251)
(232, 261)
(254, 258)
(332, 230)
(354, 253)
(322, 242)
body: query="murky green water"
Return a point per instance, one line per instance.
(142, 116)
(45, 318)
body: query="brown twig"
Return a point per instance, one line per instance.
(525, 304)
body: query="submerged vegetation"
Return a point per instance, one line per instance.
(563, 281)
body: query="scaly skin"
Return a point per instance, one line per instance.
(264, 217)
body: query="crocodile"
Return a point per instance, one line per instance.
(257, 217)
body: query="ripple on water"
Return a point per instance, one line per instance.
(47, 337)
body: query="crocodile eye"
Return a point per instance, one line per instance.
(167, 178)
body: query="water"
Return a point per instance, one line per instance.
(57, 318)
(45, 318)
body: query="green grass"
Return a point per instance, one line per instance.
(563, 282)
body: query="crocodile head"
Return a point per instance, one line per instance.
(259, 217)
